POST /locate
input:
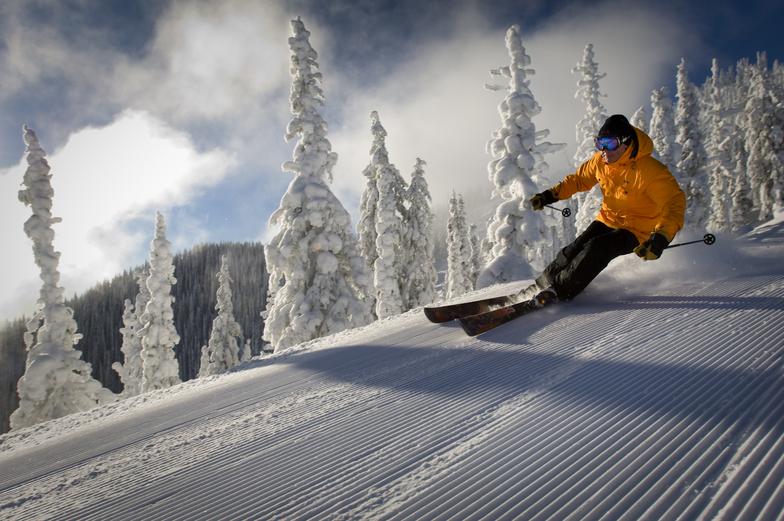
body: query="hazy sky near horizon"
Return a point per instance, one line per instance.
(181, 106)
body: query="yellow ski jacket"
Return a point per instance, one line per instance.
(640, 194)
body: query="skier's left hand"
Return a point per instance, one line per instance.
(653, 247)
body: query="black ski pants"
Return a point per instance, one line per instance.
(580, 262)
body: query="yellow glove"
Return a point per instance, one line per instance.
(653, 247)
(539, 201)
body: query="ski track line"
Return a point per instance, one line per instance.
(514, 424)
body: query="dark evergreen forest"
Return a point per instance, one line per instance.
(99, 311)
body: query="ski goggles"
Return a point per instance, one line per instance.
(609, 143)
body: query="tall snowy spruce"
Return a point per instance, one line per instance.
(765, 141)
(132, 368)
(459, 275)
(319, 283)
(640, 119)
(663, 130)
(390, 214)
(587, 128)
(420, 277)
(693, 158)
(519, 238)
(56, 382)
(222, 352)
(720, 147)
(160, 369)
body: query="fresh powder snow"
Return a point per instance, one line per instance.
(658, 393)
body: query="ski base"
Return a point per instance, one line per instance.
(477, 324)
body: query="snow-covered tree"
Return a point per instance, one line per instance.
(245, 354)
(595, 115)
(389, 265)
(56, 382)
(764, 114)
(640, 119)
(693, 158)
(477, 259)
(663, 131)
(517, 236)
(420, 277)
(131, 369)
(742, 208)
(319, 283)
(460, 267)
(160, 369)
(222, 352)
(368, 205)
(589, 203)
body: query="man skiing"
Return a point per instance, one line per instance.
(642, 210)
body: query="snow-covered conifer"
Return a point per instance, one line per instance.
(368, 205)
(160, 369)
(517, 236)
(389, 266)
(319, 283)
(56, 382)
(693, 158)
(589, 203)
(459, 255)
(222, 352)
(131, 369)
(640, 119)
(663, 131)
(477, 261)
(595, 114)
(245, 354)
(764, 114)
(420, 277)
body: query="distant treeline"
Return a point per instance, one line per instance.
(99, 312)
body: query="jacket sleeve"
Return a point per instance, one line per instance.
(665, 193)
(581, 181)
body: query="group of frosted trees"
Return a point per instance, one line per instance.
(324, 278)
(394, 231)
(724, 142)
(57, 382)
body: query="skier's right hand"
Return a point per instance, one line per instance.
(539, 201)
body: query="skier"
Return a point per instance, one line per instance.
(641, 212)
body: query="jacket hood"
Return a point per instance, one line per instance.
(643, 146)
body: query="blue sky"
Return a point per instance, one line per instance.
(181, 105)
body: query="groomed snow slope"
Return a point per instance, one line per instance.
(657, 394)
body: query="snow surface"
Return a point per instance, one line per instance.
(656, 394)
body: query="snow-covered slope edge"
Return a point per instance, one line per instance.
(656, 394)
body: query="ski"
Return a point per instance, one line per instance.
(439, 315)
(476, 324)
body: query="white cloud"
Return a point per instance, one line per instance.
(104, 178)
(211, 61)
(435, 107)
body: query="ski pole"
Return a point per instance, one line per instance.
(566, 212)
(708, 239)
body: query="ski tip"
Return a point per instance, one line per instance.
(469, 329)
(433, 316)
